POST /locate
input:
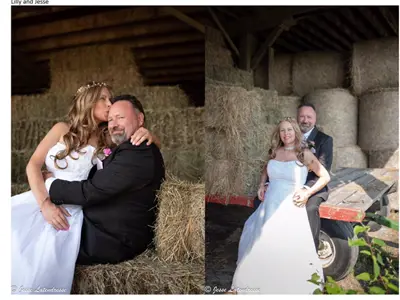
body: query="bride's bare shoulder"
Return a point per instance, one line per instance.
(60, 129)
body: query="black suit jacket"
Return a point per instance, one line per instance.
(119, 203)
(324, 153)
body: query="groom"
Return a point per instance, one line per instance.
(323, 150)
(119, 200)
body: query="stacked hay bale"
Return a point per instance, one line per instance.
(177, 264)
(281, 74)
(219, 65)
(110, 63)
(238, 131)
(337, 114)
(181, 132)
(375, 65)
(375, 79)
(317, 70)
(287, 105)
(379, 127)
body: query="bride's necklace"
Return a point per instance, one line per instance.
(289, 148)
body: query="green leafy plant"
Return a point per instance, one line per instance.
(383, 277)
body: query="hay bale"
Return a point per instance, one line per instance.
(19, 161)
(228, 106)
(242, 115)
(375, 64)
(282, 74)
(27, 134)
(337, 112)
(317, 70)
(379, 120)
(383, 158)
(112, 63)
(156, 97)
(254, 147)
(49, 106)
(288, 106)
(185, 163)
(177, 128)
(17, 189)
(180, 230)
(145, 274)
(217, 55)
(349, 157)
(227, 178)
(230, 75)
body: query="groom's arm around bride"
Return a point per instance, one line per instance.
(119, 200)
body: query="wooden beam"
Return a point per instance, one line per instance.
(291, 47)
(172, 62)
(176, 79)
(267, 18)
(247, 42)
(161, 72)
(270, 67)
(344, 26)
(90, 22)
(184, 18)
(334, 35)
(373, 20)
(138, 43)
(391, 21)
(305, 39)
(20, 12)
(227, 12)
(228, 39)
(104, 35)
(355, 23)
(176, 50)
(269, 41)
(321, 36)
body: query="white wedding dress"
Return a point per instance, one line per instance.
(276, 250)
(43, 259)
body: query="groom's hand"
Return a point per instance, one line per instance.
(55, 215)
(46, 175)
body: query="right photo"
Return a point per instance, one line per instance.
(302, 160)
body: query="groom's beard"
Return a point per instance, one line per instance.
(118, 138)
(305, 127)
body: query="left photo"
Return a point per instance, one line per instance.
(107, 191)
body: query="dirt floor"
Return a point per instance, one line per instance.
(224, 227)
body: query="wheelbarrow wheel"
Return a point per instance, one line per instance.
(339, 258)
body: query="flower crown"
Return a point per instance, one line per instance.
(91, 84)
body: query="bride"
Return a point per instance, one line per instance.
(276, 250)
(46, 237)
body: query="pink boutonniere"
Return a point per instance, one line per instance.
(107, 151)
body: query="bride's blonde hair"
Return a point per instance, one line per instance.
(82, 123)
(276, 141)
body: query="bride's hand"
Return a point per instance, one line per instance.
(55, 215)
(300, 197)
(141, 135)
(261, 192)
